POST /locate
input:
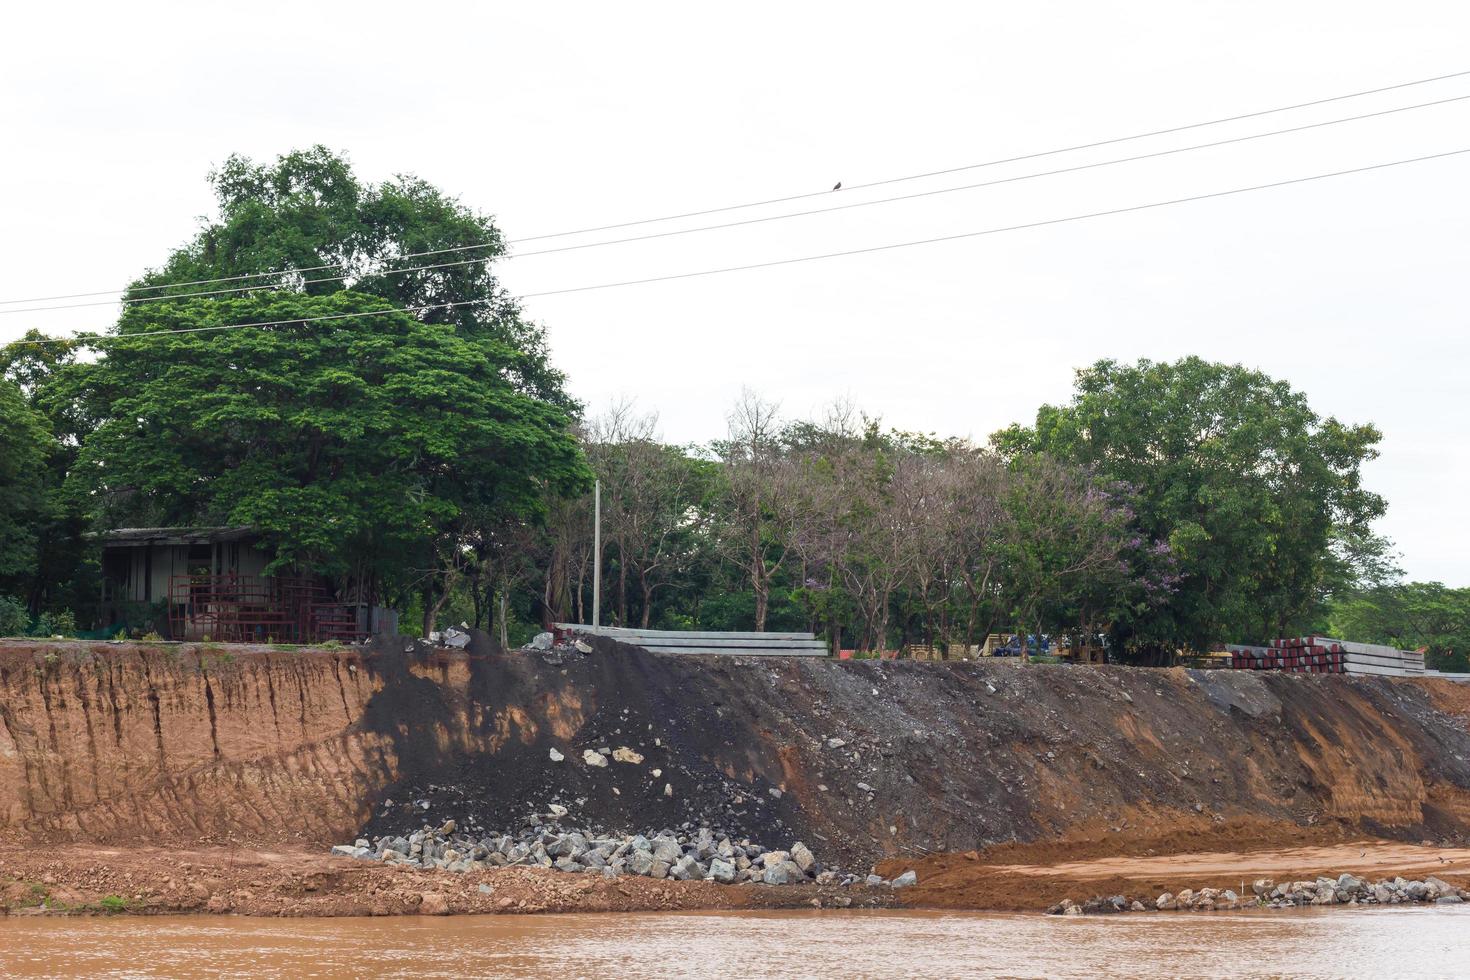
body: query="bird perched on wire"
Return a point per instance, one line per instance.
(837, 186)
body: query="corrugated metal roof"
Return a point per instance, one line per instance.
(170, 535)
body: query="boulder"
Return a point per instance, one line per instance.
(802, 857)
(776, 874)
(1164, 902)
(687, 867)
(667, 849)
(906, 879)
(722, 871)
(555, 755)
(433, 903)
(624, 754)
(640, 862)
(595, 759)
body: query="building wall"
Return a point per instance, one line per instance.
(150, 568)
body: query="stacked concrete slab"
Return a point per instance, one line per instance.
(1324, 655)
(714, 643)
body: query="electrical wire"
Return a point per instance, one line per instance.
(753, 221)
(792, 197)
(110, 338)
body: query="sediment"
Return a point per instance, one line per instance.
(128, 746)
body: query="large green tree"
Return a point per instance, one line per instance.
(25, 443)
(371, 445)
(1234, 471)
(306, 222)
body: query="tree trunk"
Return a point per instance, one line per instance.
(647, 601)
(431, 613)
(622, 588)
(504, 616)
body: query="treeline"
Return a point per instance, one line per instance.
(879, 538)
(1167, 507)
(1409, 615)
(395, 425)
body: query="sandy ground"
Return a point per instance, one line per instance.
(1032, 877)
(1363, 858)
(294, 881)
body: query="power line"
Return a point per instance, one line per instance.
(1015, 159)
(782, 200)
(770, 264)
(773, 217)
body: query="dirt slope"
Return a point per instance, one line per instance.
(121, 744)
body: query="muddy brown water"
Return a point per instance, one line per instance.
(1431, 942)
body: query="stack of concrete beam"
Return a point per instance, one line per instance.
(716, 643)
(1324, 655)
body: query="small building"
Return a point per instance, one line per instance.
(199, 583)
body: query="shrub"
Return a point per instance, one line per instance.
(55, 624)
(13, 618)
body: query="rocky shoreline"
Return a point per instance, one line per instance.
(689, 853)
(1345, 889)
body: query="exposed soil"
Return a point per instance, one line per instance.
(1029, 877)
(140, 749)
(296, 881)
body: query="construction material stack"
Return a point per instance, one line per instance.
(1324, 655)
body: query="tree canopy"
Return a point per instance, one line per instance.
(25, 442)
(1246, 484)
(353, 444)
(1409, 615)
(307, 223)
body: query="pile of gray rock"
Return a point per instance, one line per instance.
(694, 854)
(1345, 889)
(1349, 889)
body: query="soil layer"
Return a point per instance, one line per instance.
(124, 749)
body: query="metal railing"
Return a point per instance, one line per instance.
(259, 609)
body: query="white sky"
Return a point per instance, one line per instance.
(561, 116)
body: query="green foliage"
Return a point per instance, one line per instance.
(1065, 550)
(14, 621)
(113, 904)
(350, 444)
(1248, 487)
(308, 209)
(55, 624)
(1409, 615)
(25, 442)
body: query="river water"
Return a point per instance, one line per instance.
(1429, 942)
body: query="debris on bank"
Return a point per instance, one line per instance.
(1345, 889)
(702, 854)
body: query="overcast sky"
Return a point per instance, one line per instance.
(561, 116)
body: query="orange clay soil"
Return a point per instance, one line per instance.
(295, 881)
(1031, 877)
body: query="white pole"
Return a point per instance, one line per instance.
(597, 553)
